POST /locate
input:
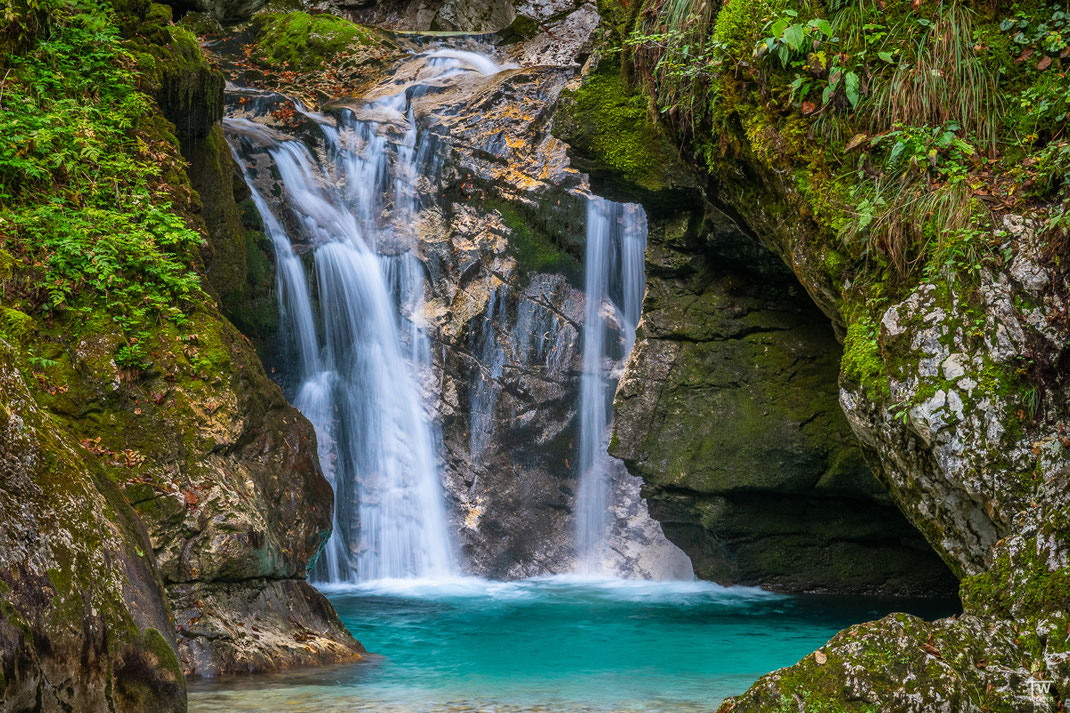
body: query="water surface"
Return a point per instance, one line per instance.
(553, 644)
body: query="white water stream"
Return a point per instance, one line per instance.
(353, 316)
(615, 281)
(358, 334)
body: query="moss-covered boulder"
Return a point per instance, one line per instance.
(84, 624)
(904, 664)
(615, 139)
(302, 41)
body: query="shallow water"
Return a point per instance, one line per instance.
(554, 644)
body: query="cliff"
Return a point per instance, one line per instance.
(203, 504)
(904, 161)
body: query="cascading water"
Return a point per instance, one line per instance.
(359, 364)
(362, 357)
(615, 280)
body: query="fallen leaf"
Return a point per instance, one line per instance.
(1044, 63)
(808, 108)
(1025, 55)
(931, 650)
(820, 657)
(855, 141)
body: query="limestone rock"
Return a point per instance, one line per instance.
(729, 412)
(904, 664)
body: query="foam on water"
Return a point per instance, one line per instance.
(563, 586)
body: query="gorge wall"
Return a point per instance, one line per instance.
(942, 277)
(728, 409)
(729, 413)
(163, 498)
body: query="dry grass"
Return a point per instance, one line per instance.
(903, 216)
(941, 80)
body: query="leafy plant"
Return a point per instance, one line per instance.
(86, 181)
(790, 38)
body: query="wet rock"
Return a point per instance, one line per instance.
(500, 234)
(902, 663)
(257, 625)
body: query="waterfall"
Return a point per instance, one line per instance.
(360, 354)
(614, 284)
(342, 206)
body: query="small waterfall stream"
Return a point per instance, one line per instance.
(614, 284)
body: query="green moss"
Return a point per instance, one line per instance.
(862, 362)
(612, 125)
(834, 262)
(253, 307)
(15, 325)
(533, 250)
(304, 41)
(740, 22)
(1020, 586)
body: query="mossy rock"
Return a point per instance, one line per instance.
(534, 250)
(300, 40)
(613, 137)
(903, 664)
(80, 597)
(15, 325)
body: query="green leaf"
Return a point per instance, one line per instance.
(897, 151)
(824, 27)
(851, 83)
(794, 36)
(886, 56)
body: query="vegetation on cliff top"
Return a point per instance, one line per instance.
(303, 41)
(898, 135)
(906, 125)
(311, 56)
(88, 180)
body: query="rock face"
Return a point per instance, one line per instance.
(986, 481)
(225, 506)
(952, 378)
(729, 413)
(728, 408)
(514, 19)
(222, 10)
(84, 624)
